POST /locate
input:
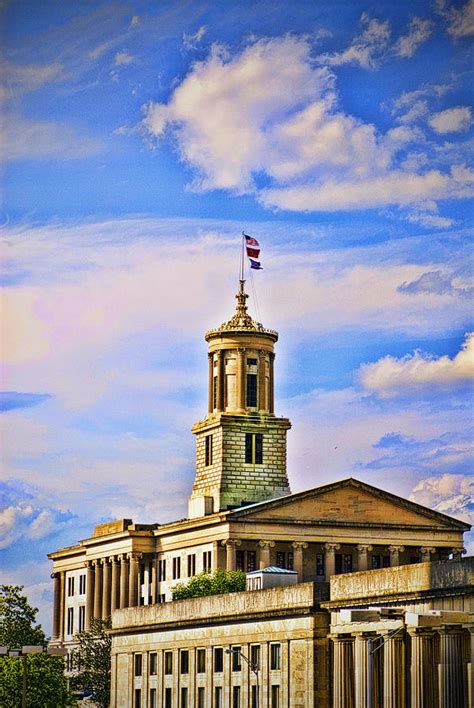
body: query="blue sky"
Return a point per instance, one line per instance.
(140, 139)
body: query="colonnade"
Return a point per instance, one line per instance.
(435, 678)
(217, 374)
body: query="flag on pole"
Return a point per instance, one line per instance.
(250, 241)
(252, 252)
(256, 265)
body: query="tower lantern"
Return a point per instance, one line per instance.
(241, 444)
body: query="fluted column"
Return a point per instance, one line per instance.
(394, 671)
(133, 578)
(90, 592)
(361, 648)
(98, 587)
(262, 404)
(330, 558)
(57, 604)
(363, 550)
(106, 588)
(264, 555)
(123, 581)
(230, 546)
(298, 548)
(451, 668)
(395, 552)
(343, 671)
(426, 553)
(154, 578)
(423, 678)
(271, 391)
(62, 604)
(241, 380)
(211, 383)
(115, 583)
(220, 380)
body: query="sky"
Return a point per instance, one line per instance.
(139, 139)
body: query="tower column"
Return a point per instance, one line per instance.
(220, 380)
(271, 390)
(262, 403)
(211, 383)
(90, 592)
(115, 594)
(363, 558)
(123, 581)
(265, 548)
(241, 379)
(106, 588)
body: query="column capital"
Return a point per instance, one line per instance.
(426, 550)
(134, 555)
(364, 547)
(241, 350)
(347, 637)
(261, 353)
(450, 629)
(331, 547)
(424, 632)
(231, 542)
(396, 549)
(458, 552)
(299, 545)
(97, 563)
(266, 544)
(122, 557)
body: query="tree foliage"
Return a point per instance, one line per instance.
(92, 661)
(17, 619)
(216, 583)
(46, 683)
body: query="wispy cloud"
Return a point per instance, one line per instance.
(191, 41)
(460, 20)
(419, 30)
(123, 58)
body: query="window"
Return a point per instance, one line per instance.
(138, 698)
(214, 393)
(70, 620)
(201, 661)
(207, 561)
(251, 362)
(290, 561)
(414, 559)
(168, 662)
(246, 560)
(153, 698)
(138, 665)
(162, 570)
(191, 565)
(184, 697)
(347, 563)
(254, 448)
(168, 698)
(70, 587)
(275, 697)
(280, 559)
(255, 656)
(380, 562)
(251, 390)
(176, 567)
(201, 697)
(320, 572)
(153, 664)
(254, 696)
(208, 456)
(184, 661)
(218, 659)
(236, 659)
(142, 573)
(236, 697)
(275, 657)
(251, 561)
(82, 585)
(239, 560)
(162, 597)
(218, 697)
(82, 618)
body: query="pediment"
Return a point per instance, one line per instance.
(349, 501)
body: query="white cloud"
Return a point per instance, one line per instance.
(460, 20)
(452, 120)
(430, 220)
(390, 376)
(366, 48)
(419, 31)
(123, 58)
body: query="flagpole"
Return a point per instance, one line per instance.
(242, 258)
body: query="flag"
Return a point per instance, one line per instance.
(250, 241)
(255, 264)
(252, 252)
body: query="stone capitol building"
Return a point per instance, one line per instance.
(355, 597)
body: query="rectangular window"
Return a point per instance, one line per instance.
(320, 572)
(168, 662)
(338, 563)
(258, 449)
(82, 585)
(236, 659)
(236, 697)
(70, 587)
(176, 567)
(280, 559)
(385, 561)
(290, 561)
(184, 661)
(239, 560)
(82, 618)
(161, 570)
(207, 561)
(138, 665)
(375, 562)
(138, 698)
(251, 561)
(275, 697)
(162, 597)
(251, 390)
(254, 696)
(252, 362)
(255, 656)
(153, 663)
(254, 448)
(248, 448)
(218, 659)
(201, 661)
(153, 698)
(208, 456)
(201, 697)
(70, 620)
(275, 657)
(218, 697)
(184, 697)
(347, 563)
(191, 565)
(168, 698)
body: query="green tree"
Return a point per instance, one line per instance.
(17, 619)
(46, 683)
(92, 661)
(216, 583)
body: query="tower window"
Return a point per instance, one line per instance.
(208, 456)
(214, 392)
(251, 390)
(254, 448)
(252, 362)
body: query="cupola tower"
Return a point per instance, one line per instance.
(241, 444)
